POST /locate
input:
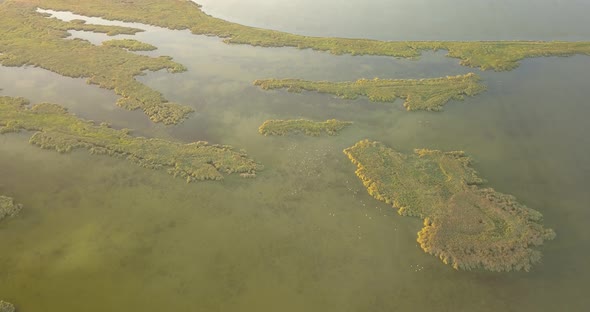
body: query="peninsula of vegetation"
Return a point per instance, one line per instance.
(465, 225)
(419, 94)
(31, 38)
(176, 14)
(307, 127)
(129, 44)
(8, 208)
(56, 129)
(6, 307)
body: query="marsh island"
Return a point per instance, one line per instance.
(419, 94)
(31, 38)
(307, 127)
(129, 44)
(8, 208)
(54, 128)
(465, 225)
(23, 32)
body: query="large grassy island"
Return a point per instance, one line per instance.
(184, 14)
(465, 225)
(419, 94)
(59, 130)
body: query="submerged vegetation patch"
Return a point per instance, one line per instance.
(307, 127)
(419, 94)
(465, 225)
(8, 208)
(6, 307)
(129, 44)
(174, 14)
(30, 38)
(59, 130)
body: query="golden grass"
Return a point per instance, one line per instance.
(466, 226)
(54, 128)
(419, 94)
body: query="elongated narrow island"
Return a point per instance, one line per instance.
(30, 38)
(419, 94)
(174, 14)
(129, 44)
(307, 127)
(465, 225)
(8, 208)
(58, 130)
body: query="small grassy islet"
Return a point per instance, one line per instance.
(129, 44)
(419, 94)
(307, 127)
(465, 225)
(54, 128)
(8, 208)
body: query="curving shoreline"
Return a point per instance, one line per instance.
(31, 38)
(486, 55)
(56, 129)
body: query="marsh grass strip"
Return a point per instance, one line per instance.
(419, 94)
(174, 14)
(55, 129)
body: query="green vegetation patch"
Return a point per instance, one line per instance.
(58, 130)
(419, 94)
(8, 208)
(30, 38)
(174, 14)
(307, 127)
(129, 44)
(465, 225)
(502, 55)
(6, 307)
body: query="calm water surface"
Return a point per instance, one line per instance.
(101, 234)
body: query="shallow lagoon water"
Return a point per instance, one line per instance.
(101, 234)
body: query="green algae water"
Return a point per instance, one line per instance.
(101, 234)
